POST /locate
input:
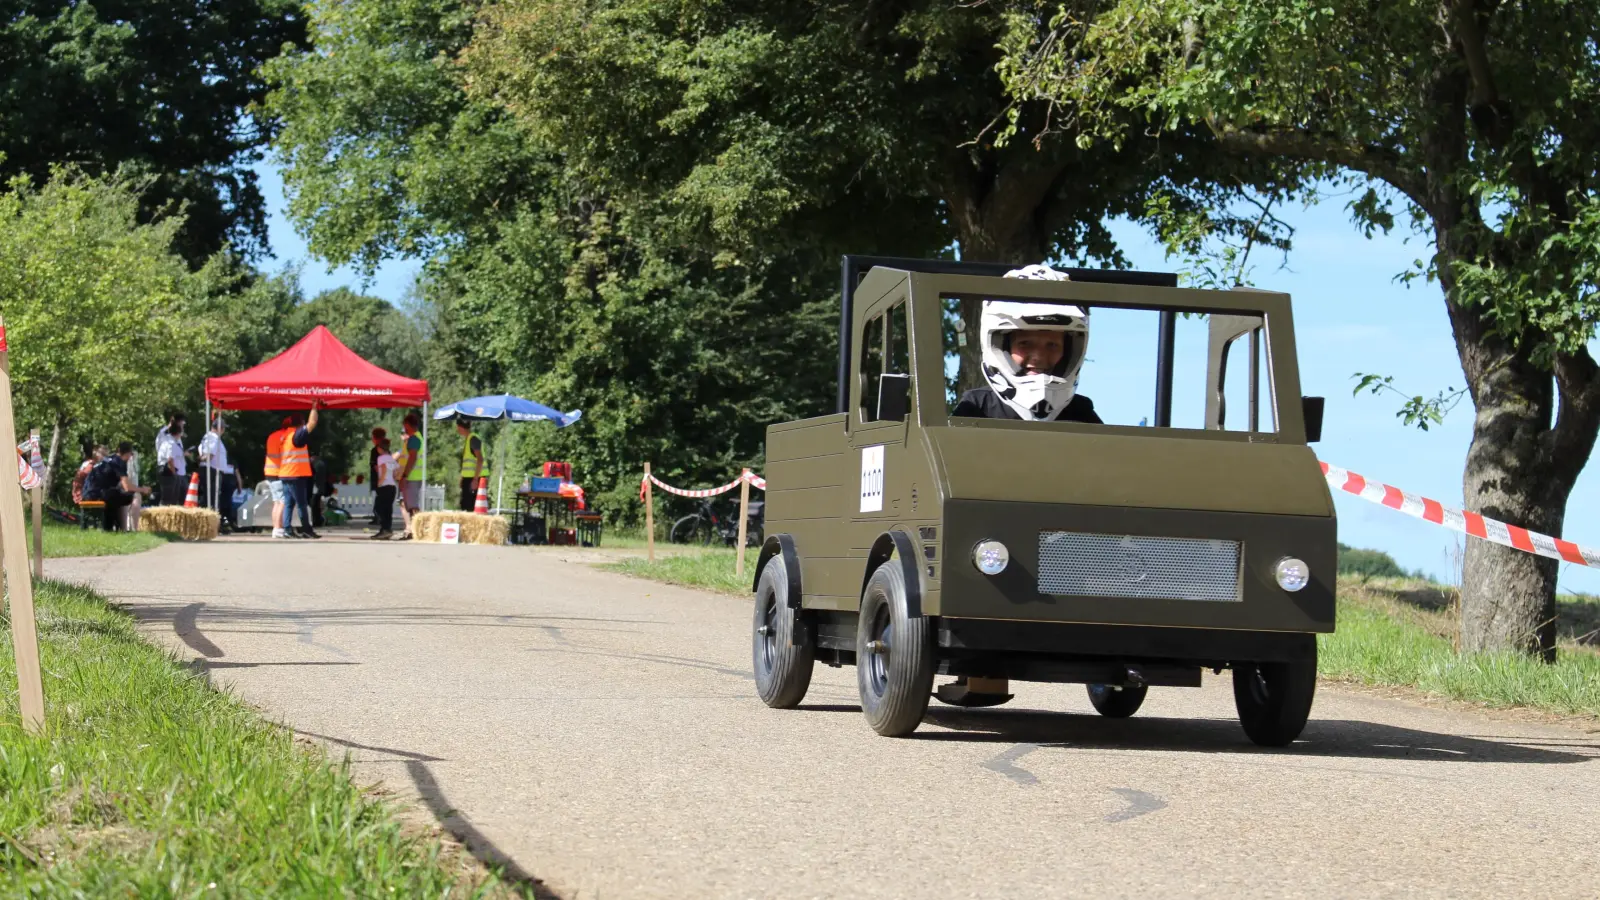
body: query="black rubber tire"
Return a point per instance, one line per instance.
(1116, 704)
(689, 530)
(783, 655)
(1274, 699)
(895, 684)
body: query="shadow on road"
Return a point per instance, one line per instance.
(1322, 737)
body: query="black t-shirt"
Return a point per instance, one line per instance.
(984, 403)
(105, 477)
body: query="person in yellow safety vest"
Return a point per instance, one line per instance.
(410, 459)
(270, 470)
(294, 468)
(473, 465)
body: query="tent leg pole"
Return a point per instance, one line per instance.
(422, 501)
(211, 485)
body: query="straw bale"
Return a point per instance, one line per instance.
(198, 524)
(475, 527)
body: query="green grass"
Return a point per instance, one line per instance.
(149, 783)
(70, 540)
(711, 569)
(1387, 636)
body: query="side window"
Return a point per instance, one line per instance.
(899, 358)
(871, 362)
(1241, 379)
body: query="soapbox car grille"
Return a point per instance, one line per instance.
(1080, 564)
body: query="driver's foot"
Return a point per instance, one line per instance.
(976, 693)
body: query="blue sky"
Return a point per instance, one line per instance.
(1350, 316)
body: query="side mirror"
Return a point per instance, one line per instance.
(894, 397)
(1312, 408)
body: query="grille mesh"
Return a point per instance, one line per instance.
(1074, 563)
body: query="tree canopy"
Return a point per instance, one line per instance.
(103, 319)
(159, 88)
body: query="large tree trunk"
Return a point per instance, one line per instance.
(1521, 467)
(996, 213)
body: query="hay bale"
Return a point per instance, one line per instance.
(189, 524)
(475, 528)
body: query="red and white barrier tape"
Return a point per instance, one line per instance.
(756, 481)
(1459, 520)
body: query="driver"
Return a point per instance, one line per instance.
(1031, 356)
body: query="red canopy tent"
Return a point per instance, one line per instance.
(319, 368)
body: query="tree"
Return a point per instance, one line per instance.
(537, 282)
(102, 317)
(161, 88)
(834, 125)
(1474, 116)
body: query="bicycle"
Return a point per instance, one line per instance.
(704, 526)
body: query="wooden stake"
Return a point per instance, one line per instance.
(14, 545)
(38, 520)
(744, 517)
(649, 516)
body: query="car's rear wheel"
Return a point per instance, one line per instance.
(783, 648)
(1116, 702)
(894, 655)
(1274, 699)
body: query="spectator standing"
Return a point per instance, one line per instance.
(383, 487)
(271, 468)
(410, 471)
(171, 467)
(473, 466)
(378, 434)
(294, 467)
(109, 481)
(219, 476)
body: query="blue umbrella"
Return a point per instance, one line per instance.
(506, 406)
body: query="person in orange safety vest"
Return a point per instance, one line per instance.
(294, 470)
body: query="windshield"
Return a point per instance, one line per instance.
(1072, 362)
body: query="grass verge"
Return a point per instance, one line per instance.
(711, 569)
(1399, 632)
(70, 540)
(150, 783)
(1392, 633)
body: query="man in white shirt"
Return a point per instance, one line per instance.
(171, 467)
(218, 478)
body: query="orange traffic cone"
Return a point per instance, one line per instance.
(481, 505)
(193, 499)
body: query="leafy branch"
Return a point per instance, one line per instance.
(1417, 409)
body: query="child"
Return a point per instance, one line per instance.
(383, 499)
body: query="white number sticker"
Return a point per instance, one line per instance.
(872, 479)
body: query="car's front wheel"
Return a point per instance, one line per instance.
(1274, 699)
(894, 655)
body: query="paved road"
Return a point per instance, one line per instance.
(603, 734)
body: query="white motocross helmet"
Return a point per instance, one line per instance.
(1039, 397)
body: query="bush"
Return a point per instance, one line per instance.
(1368, 563)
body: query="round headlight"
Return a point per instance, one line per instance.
(990, 557)
(1293, 574)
